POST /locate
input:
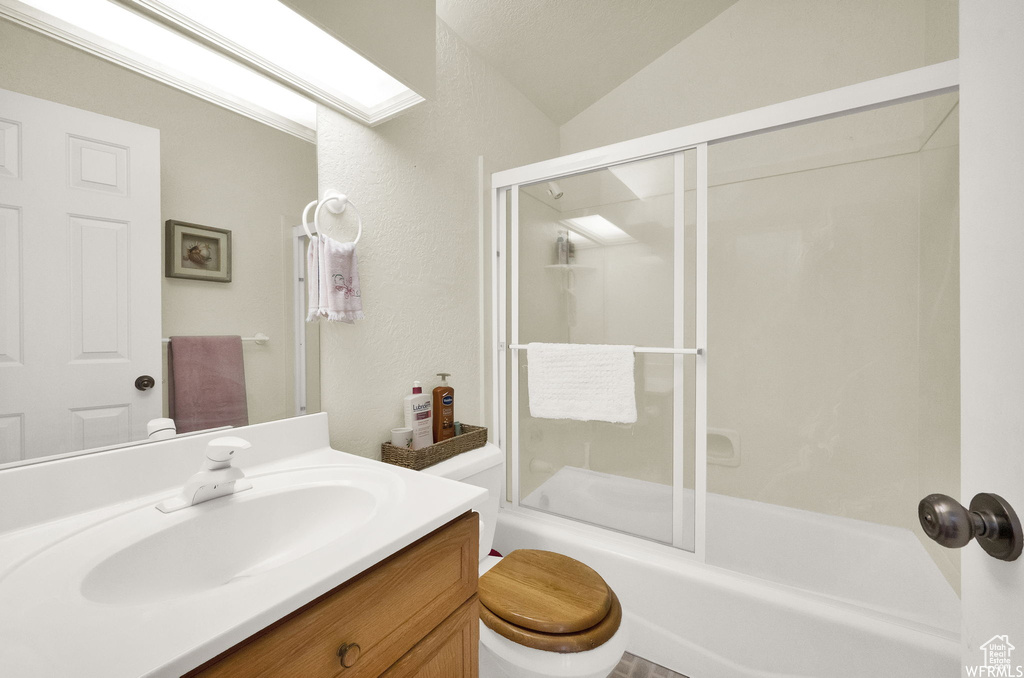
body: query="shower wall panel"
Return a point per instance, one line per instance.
(833, 321)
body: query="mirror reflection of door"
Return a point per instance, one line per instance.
(79, 294)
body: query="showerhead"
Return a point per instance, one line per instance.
(554, 191)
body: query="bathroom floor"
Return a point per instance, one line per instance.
(635, 667)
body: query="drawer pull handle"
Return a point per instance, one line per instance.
(348, 653)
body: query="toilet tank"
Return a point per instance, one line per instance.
(483, 467)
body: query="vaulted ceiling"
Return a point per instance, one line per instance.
(566, 54)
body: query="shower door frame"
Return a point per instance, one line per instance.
(902, 87)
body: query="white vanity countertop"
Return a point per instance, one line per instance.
(49, 628)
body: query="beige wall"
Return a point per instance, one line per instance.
(812, 338)
(415, 180)
(218, 169)
(757, 53)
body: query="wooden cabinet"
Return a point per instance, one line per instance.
(413, 614)
(449, 651)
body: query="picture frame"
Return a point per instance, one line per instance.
(197, 252)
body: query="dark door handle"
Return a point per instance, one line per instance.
(145, 382)
(990, 520)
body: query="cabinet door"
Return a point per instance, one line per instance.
(450, 651)
(382, 614)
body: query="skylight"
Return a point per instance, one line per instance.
(600, 230)
(647, 178)
(256, 57)
(278, 40)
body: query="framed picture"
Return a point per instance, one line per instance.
(197, 252)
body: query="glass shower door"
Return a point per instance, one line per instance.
(833, 377)
(607, 257)
(815, 258)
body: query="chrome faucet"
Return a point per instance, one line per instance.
(217, 478)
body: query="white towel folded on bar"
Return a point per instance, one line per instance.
(585, 382)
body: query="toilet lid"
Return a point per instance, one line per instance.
(589, 639)
(545, 592)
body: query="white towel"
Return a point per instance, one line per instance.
(585, 382)
(313, 279)
(338, 296)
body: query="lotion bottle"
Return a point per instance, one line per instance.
(444, 410)
(417, 417)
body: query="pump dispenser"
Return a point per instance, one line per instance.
(444, 410)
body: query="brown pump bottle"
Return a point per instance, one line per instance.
(444, 410)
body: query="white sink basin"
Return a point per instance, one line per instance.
(228, 542)
(96, 582)
(145, 556)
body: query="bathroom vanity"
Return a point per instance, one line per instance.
(330, 565)
(415, 614)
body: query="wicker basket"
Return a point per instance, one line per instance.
(472, 437)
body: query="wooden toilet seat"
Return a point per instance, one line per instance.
(548, 601)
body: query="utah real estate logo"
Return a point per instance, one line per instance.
(998, 660)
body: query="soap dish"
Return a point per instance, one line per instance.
(472, 437)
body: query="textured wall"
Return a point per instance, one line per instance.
(415, 180)
(217, 168)
(757, 53)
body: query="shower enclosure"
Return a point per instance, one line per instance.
(789, 278)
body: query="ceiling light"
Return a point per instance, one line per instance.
(125, 38)
(599, 229)
(284, 45)
(255, 57)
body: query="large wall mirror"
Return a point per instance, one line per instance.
(216, 168)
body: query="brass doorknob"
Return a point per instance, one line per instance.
(348, 654)
(990, 520)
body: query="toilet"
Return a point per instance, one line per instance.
(542, 614)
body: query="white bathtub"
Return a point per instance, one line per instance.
(710, 622)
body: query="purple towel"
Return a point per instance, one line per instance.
(207, 383)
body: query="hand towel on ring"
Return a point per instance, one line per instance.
(340, 295)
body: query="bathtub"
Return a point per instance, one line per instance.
(888, 614)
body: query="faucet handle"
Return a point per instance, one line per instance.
(221, 450)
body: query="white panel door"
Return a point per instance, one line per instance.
(79, 278)
(992, 318)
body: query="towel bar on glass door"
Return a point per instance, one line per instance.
(260, 339)
(636, 349)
